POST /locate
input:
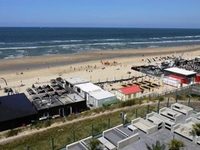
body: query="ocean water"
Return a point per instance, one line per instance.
(21, 42)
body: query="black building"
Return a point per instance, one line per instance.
(16, 110)
(54, 106)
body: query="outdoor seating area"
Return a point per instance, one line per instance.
(173, 71)
(147, 85)
(150, 69)
(170, 61)
(137, 88)
(193, 64)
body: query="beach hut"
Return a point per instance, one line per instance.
(128, 93)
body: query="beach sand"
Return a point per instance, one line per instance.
(31, 70)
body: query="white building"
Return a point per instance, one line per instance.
(144, 125)
(85, 88)
(100, 97)
(182, 109)
(181, 75)
(154, 118)
(120, 136)
(160, 121)
(72, 81)
(172, 82)
(94, 95)
(171, 114)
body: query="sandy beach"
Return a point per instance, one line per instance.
(30, 70)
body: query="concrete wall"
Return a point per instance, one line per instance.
(150, 129)
(176, 118)
(128, 141)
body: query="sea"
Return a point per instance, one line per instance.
(25, 41)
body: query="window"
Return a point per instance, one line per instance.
(177, 107)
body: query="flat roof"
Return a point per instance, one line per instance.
(181, 108)
(76, 80)
(88, 87)
(75, 97)
(144, 125)
(15, 106)
(126, 130)
(76, 146)
(114, 136)
(172, 114)
(47, 103)
(70, 98)
(154, 115)
(180, 71)
(101, 94)
(155, 119)
(130, 89)
(162, 135)
(106, 143)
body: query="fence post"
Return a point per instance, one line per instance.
(158, 106)
(92, 130)
(189, 100)
(28, 147)
(108, 123)
(176, 96)
(168, 102)
(147, 109)
(74, 135)
(149, 97)
(52, 143)
(136, 113)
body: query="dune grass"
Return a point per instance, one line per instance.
(72, 132)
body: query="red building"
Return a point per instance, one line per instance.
(129, 92)
(181, 75)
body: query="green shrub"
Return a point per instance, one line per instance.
(161, 99)
(13, 132)
(128, 103)
(47, 123)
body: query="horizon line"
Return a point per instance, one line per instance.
(97, 27)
